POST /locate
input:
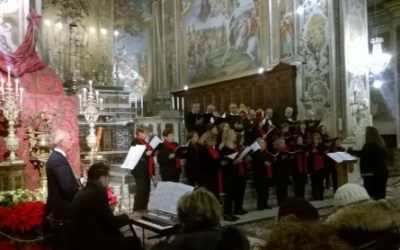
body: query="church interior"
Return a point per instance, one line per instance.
(109, 72)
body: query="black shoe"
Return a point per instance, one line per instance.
(241, 212)
(230, 218)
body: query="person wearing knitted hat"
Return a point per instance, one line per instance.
(363, 222)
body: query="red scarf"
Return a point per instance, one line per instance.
(301, 162)
(172, 147)
(318, 159)
(150, 158)
(215, 155)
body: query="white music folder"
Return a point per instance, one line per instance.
(340, 157)
(155, 141)
(133, 157)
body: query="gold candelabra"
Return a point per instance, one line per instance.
(90, 106)
(11, 104)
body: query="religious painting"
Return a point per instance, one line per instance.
(142, 8)
(222, 39)
(13, 23)
(131, 49)
(286, 28)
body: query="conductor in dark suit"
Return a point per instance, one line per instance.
(62, 185)
(94, 224)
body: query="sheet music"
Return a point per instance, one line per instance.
(155, 141)
(341, 156)
(232, 156)
(166, 196)
(245, 151)
(133, 157)
(255, 146)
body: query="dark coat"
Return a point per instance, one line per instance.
(167, 165)
(142, 167)
(191, 125)
(62, 186)
(372, 160)
(192, 165)
(209, 171)
(260, 170)
(251, 130)
(94, 224)
(321, 152)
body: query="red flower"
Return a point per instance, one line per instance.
(112, 198)
(22, 217)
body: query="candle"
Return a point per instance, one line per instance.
(135, 101)
(2, 86)
(101, 104)
(340, 124)
(90, 85)
(9, 73)
(177, 103)
(183, 103)
(80, 101)
(172, 102)
(21, 93)
(97, 96)
(141, 102)
(84, 95)
(16, 86)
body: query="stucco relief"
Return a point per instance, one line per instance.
(356, 46)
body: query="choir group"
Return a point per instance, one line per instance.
(287, 151)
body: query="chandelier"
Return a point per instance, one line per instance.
(378, 60)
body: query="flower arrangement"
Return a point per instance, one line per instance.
(112, 198)
(21, 219)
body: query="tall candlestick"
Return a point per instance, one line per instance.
(80, 101)
(97, 96)
(177, 103)
(84, 95)
(101, 104)
(141, 103)
(90, 86)
(16, 86)
(2, 86)
(183, 103)
(21, 93)
(172, 102)
(9, 73)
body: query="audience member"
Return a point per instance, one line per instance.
(304, 236)
(200, 216)
(365, 223)
(297, 209)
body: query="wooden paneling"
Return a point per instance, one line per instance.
(275, 89)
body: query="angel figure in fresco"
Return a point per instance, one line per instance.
(253, 40)
(229, 30)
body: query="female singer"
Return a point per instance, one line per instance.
(143, 171)
(192, 165)
(210, 162)
(262, 174)
(299, 171)
(316, 164)
(229, 172)
(302, 131)
(281, 168)
(170, 166)
(327, 141)
(242, 170)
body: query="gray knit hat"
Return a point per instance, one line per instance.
(348, 194)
